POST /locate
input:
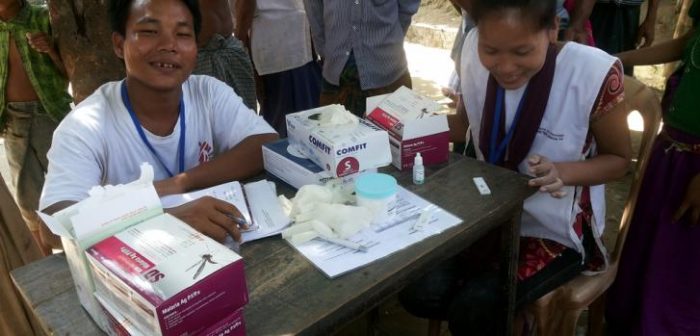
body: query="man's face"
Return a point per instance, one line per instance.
(159, 47)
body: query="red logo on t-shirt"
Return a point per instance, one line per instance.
(205, 152)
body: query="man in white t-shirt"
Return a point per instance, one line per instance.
(194, 130)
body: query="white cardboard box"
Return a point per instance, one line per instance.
(341, 150)
(412, 127)
(295, 170)
(167, 278)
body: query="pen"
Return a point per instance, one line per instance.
(344, 243)
(238, 220)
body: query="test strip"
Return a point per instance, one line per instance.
(480, 184)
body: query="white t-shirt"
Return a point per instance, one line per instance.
(280, 36)
(98, 144)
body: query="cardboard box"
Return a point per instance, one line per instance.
(412, 126)
(167, 278)
(292, 168)
(341, 150)
(119, 325)
(104, 213)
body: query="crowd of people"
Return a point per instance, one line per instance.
(539, 89)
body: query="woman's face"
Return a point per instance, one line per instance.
(512, 48)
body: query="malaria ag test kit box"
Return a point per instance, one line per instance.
(133, 248)
(412, 125)
(167, 278)
(337, 141)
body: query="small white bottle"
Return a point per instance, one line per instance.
(418, 170)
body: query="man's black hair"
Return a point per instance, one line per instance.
(119, 12)
(542, 13)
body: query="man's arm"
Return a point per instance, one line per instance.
(576, 30)
(42, 43)
(238, 163)
(314, 12)
(407, 8)
(647, 30)
(244, 11)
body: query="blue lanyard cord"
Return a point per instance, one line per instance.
(142, 134)
(496, 149)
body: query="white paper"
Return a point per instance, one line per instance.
(258, 205)
(267, 213)
(381, 240)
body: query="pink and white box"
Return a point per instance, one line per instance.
(412, 125)
(169, 279)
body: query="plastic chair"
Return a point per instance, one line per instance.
(557, 312)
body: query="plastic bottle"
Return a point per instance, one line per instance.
(418, 170)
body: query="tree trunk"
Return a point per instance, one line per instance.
(81, 29)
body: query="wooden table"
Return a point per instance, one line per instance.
(289, 296)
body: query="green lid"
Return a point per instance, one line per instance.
(375, 185)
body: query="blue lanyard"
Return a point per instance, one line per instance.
(496, 149)
(139, 129)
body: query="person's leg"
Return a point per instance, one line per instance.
(430, 296)
(474, 310)
(27, 140)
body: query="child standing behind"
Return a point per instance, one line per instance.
(33, 99)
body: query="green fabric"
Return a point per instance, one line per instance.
(684, 113)
(50, 86)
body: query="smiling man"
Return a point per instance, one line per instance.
(194, 130)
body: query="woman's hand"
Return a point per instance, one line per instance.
(691, 202)
(548, 179)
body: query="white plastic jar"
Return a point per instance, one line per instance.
(377, 192)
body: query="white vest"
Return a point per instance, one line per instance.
(561, 136)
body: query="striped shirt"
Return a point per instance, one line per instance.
(373, 30)
(48, 82)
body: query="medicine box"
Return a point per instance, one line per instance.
(412, 125)
(288, 164)
(167, 278)
(342, 149)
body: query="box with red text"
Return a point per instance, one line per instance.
(413, 127)
(167, 278)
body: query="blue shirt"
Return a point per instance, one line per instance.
(373, 30)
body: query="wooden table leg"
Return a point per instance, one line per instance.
(510, 247)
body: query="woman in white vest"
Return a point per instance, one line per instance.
(548, 110)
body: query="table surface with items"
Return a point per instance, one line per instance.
(288, 295)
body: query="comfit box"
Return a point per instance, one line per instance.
(337, 141)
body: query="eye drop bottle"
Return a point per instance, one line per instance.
(418, 169)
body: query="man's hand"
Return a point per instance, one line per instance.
(548, 179)
(646, 32)
(691, 202)
(576, 34)
(210, 216)
(40, 42)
